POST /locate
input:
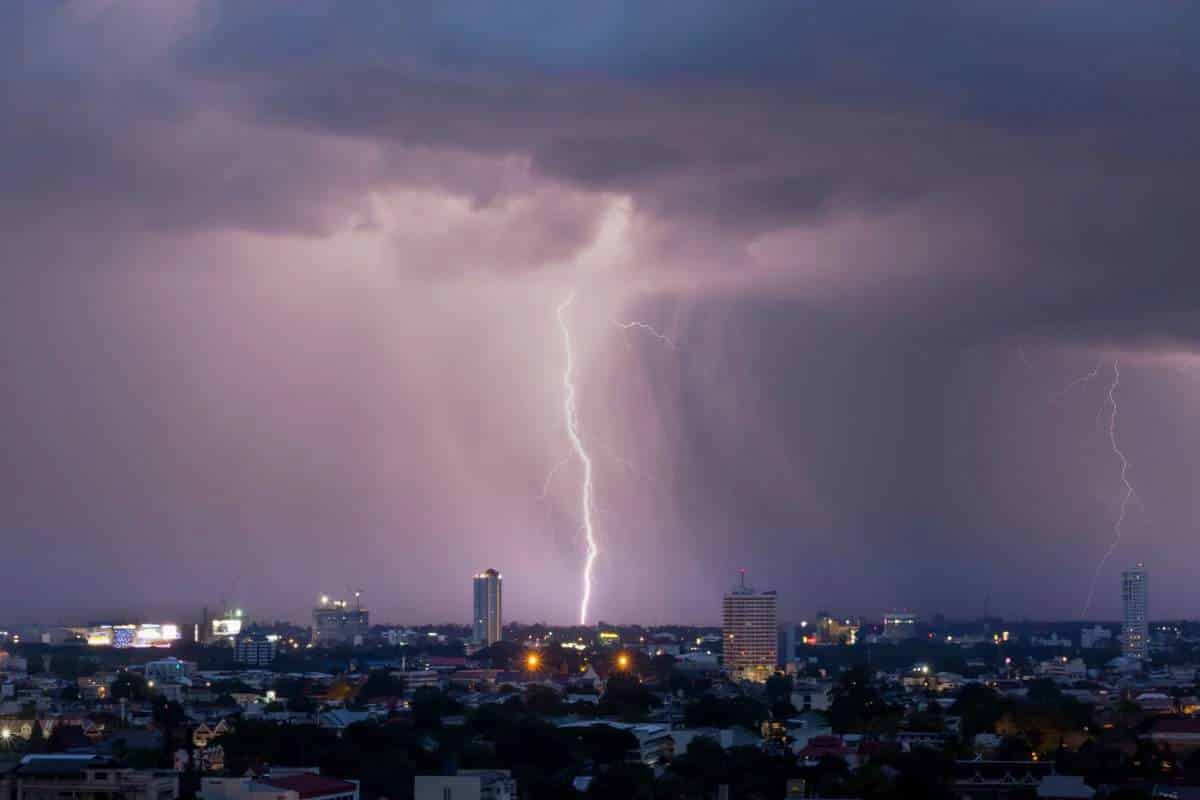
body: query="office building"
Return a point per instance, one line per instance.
(335, 622)
(1135, 634)
(487, 620)
(750, 632)
(899, 625)
(831, 630)
(256, 649)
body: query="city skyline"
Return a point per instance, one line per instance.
(891, 309)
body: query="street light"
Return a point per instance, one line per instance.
(532, 661)
(623, 661)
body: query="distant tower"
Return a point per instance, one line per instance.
(488, 615)
(1135, 633)
(750, 632)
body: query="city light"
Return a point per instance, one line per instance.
(532, 661)
(623, 661)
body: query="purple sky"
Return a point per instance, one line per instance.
(279, 281)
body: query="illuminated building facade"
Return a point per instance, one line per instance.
(750, 632)
(899, 625)
(487, 621)
(1135, 638)
(143, 635)
(335, 622)
(831, 630)
(256, 650)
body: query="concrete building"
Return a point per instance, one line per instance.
(1135, 634)
(899, 625)
(88, 777)
(1095, 637)
(468, 784)
(280, 784)
(335, 622)
(488, 618)
(750, 632)
(256, 650)
(169, 670)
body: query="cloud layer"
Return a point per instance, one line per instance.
(280, 282)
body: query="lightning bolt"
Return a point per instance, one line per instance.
(550, 477)
(649, 329)
(571, 414)
(1082, 379)
(1128, 494)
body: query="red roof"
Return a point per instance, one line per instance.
(1189, 725)
(309, 785)
(820, 746)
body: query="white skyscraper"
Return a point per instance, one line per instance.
(1135, 633)
(487, 622)
(750, 631)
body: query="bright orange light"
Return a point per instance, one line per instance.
(622, 661)
(532, 661)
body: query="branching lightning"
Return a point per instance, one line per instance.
(572, 422)
(1128, 494)
(649, 329)
(1082, 379)
(550, 477)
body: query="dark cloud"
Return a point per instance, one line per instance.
(279, 278)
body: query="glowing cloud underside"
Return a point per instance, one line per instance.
(1128, 493)
(572, 422)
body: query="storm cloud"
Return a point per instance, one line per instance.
(280, 282)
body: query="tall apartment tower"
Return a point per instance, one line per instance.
(750, 632)
(487, 621)
(1135, 635)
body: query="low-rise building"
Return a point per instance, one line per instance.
(467, 784)
(285, 784)
(88, 777)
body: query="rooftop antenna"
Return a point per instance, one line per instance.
(742, 576)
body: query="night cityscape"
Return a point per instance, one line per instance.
(550, 401)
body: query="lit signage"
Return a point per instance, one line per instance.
(145, 635)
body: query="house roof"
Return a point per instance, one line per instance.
(309, 785)
(59, 764)
(1177, 726)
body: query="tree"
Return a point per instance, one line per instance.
(702, 768)
(429, 705)
(603, 744)
(129, 686)
(543, 700)
(714, 712)
(857, 706)
(625, 696)
(381, 683)
(633, 781)
(980, 708)
(779, 688)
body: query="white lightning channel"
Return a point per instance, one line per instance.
(1128, 494)
(572, 420)
(1082, 379)
(650, 329)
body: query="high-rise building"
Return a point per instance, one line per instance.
(335, 622)
(750, 632)
(1135, 639)
(488, 616)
